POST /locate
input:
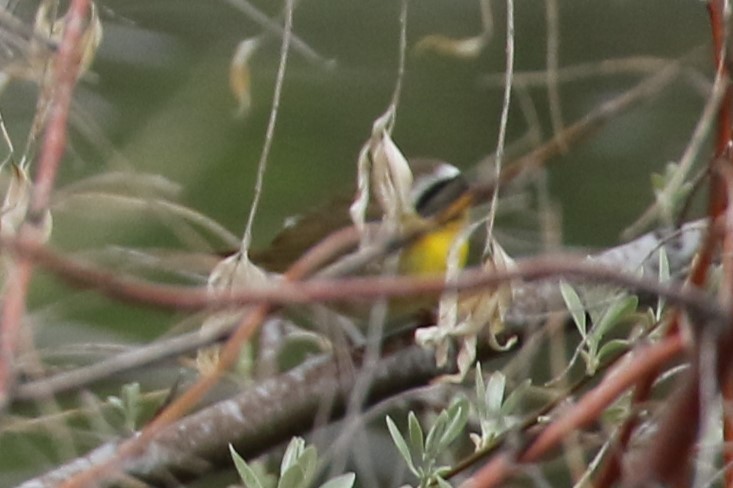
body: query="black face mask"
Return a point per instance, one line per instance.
(440, 195)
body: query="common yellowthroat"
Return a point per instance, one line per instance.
(436, 186)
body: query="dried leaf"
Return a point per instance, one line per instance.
(240, 76)
(232, 273)
(392, 180)
(383, 173)
(358, 209)
(465, 48)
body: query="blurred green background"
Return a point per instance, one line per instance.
(160, 95)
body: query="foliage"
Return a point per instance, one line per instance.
(422, 453)
(297, 470)
(128, 404)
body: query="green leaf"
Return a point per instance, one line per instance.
(612, 347)
(293, 477)
(515, 397)
(437, 478)
(664, 273)
(401, 445)
(480, 392)
(495, 391)
(659, 181)
(616, 312)
(343, 481)
(308, 461)
(575, 307)
(292, 453)
(416, 436)
(664, 276)
(458, 415)
(435, 434)
(441, 482)
(246, 473)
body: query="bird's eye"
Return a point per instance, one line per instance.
(440, 195)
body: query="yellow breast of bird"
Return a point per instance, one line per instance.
(428, 255)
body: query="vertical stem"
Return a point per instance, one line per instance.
(66, 68)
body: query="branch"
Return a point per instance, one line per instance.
(257, 419)
(530, 302)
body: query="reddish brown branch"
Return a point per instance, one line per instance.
(66, 67)
(678, 431)
(365, 288)
(611, 470)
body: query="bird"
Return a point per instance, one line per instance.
(436, 186)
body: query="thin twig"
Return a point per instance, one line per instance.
(270, 133)
(699, 135)
(509, 71)
(552, 21)
(273, 28)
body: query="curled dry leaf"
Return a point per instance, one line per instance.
(469, 317)
(358, 209)
(465, 48)
(89, 43)
(383, 172)
(233, 272)
(240, 76)
(392, 180)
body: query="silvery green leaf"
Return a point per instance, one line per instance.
(664, 276)
(293, 477)
(435, 434)
(292, 453)
(416, 435)
(246, 473)
(131, 398)
(480, 392)
(495, 391)
(458, 416)
(401, 444)
(575, 307)
(664, 273)
(116, 402)
(611, 347)
(343, 481)
(617, 310)
(515, 397)
(441, 482)
(308, 460)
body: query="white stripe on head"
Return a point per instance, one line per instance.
(442, 171)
